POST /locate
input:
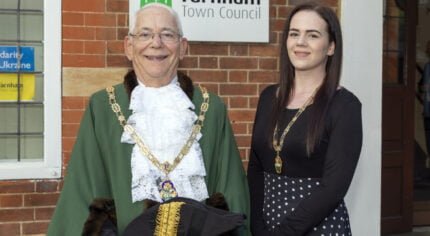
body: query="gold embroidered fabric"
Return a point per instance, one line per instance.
(168, 218)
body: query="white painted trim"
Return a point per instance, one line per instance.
(50, 167)
(362, 25)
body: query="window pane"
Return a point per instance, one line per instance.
(38, 93)
(9, 145)
(11, 21)
(25, 4)
(31, 147)
(31, 27)
(8, 119)
(32, 118)
(31, 4)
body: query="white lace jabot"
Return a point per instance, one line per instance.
(163, 118)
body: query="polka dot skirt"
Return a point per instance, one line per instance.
(282, 194)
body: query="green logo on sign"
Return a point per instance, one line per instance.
(166, 2)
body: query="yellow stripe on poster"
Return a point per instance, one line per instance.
(9, 87)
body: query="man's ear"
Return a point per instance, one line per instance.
(128, 47)
(331, 49)
(183, 47)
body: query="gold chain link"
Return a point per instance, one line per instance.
(165, 167)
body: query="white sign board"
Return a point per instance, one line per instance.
(218, 20)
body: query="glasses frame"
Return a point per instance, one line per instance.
(140, 38)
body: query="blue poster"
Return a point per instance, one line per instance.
(14, 60)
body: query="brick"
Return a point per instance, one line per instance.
(106, 33)
(73, 103)
(117, 6)
(41, 199)
(121, 33)
(68, 143)
(73, 46)
(82, 60)
(245, 162)
(10, 228)
(238, 63)
(241, 115)
(78, 32)
(70, 130)
(72, 116)
(208, 76)
(66, 159)
(115, 47)
(242, 152)
(268, 63)
(189, 62)
(118, 61)
(44, 213)
(277, 25)
(100, 19)
(122, 20)
(253, 102)
(238, 89)
(83, 5)
(208, 62)
(283, 11)
(11, 201)
(46, 186)
(264, 50)
(238, 102)
(236, 76)
(332, 3)
(239, 50)
(279, 2)
(243, 140)
(16, 187)
(95, 47)
(239, 128)
(35, 227)
(19, 214)
(263, 76)
(208, 49)
(72, 18)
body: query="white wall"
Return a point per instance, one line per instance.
(362, 74)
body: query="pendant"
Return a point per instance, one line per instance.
(167, 190)
(278, 164)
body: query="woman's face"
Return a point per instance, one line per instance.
(308, 43)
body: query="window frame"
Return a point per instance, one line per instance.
(51, 165)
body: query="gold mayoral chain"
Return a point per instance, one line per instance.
(278, 144)
(166, 188)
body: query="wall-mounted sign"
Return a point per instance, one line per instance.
(9, 87)
(218, 20)
(14, 60)
(13, 84)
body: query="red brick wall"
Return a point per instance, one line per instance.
(92, 37)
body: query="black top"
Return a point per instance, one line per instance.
(334, 159)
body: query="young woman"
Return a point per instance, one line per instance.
(307, 134)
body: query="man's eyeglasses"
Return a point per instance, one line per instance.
(165, 36)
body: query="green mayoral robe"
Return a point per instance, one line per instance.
(100, 165)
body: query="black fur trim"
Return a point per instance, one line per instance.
(130, 81)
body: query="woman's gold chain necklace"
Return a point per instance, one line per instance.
(164, 167)
(278, 144)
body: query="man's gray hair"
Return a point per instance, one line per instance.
(158, 5)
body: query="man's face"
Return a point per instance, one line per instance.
(155, 60)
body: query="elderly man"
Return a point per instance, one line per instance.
(154, 137)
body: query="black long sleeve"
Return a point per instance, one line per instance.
(333, 161)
